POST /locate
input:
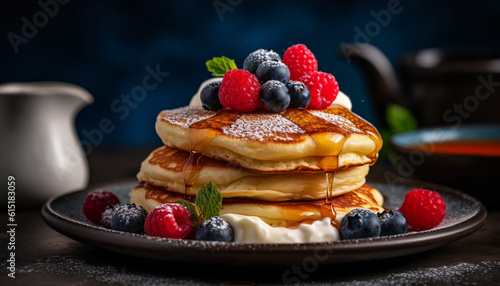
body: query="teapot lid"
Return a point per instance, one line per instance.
(446, 61)
(44, 88)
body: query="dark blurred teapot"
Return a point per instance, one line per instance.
(439, 87)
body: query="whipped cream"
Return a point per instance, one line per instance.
(342, 98)
(196, 100)
(252, 229)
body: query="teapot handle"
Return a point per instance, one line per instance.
(379, 73)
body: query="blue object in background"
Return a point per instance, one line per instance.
(122, 51)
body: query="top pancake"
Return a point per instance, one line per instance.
(293, 140)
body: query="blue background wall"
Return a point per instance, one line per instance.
(105, 46)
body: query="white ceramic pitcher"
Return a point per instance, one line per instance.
(39, 148)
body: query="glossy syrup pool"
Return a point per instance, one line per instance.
(265, 126)
(288, 126)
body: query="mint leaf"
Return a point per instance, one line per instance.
(192, 210)
(209, 200)
(400, 119)
(218, 66)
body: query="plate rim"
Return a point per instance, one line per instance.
(424, 240)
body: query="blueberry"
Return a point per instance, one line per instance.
(210, 96)
(359, 223)
(215, 229)
(269, 70)
(254, 59)
(274, 95)
(299, 94)
(129, 218)
(392, 222)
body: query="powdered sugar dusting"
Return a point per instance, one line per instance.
(271, 127)
(186, 116)
(340, 121)
(100, 274)
(455, 274)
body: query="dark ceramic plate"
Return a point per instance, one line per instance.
(464, 215)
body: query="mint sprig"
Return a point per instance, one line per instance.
(218, 66)
(193, 210)
(209, 200)
(208, 204)
(400, 119)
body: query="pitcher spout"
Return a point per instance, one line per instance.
(42, 150)
(79, 96)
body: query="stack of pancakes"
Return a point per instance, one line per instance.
(273, 166)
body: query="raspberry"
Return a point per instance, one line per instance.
(169, 220)
(239, 90)
(107, 214)
(323, 89)
(423, 209)
(96, 202)
(300, 60)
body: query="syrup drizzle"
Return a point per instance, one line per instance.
(191, 170)
(327, 209)
(311, 124)
(197, 142)
(361, 125)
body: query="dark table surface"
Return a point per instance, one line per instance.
(45, 257)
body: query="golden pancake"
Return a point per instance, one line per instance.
(166, 167)
(286, 214)
(293, 140)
